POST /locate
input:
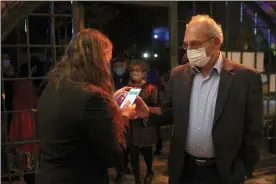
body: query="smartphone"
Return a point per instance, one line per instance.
(131, 96)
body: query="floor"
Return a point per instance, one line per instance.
(261, 176)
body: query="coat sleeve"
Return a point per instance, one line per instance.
(253, 132)
(99, 128)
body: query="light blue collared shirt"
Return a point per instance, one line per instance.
(202, 110)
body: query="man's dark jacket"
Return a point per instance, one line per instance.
(238, 120)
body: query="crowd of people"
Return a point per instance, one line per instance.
(215, 105)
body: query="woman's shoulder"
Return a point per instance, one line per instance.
(68, 93)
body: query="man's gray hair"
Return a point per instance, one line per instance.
(214, 28)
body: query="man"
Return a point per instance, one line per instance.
(121, 77)
(120, 72)
(217, 110)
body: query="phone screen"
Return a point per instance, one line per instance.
(131, 96)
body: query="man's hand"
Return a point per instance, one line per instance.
(142, 110)
(129, 110)
(155, 110)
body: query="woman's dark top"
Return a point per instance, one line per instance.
(77, 137)
(141, 135)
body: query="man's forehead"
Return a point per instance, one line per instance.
(196, 31)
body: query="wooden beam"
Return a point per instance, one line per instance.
(14, 17)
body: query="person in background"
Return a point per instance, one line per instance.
(164, 86)
(38, 71)
(82, 130)
(184, 59)
(182, 56)
(120, 76)
(120, 73)
(152, 76)
(7, 90)
(216, 107)
(23, 124)
(6, 104)
(162, 93)
(142, 138)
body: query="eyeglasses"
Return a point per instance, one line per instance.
(195, 45)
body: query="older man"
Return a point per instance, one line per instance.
(216, 107)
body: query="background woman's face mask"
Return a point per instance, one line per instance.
(119, 68)
(198, 57)
(119, 71)
(8, 69)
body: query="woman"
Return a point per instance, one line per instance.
(162, 93)
(23, 124)
(142, 137)
(82, 130)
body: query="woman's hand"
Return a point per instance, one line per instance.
(119, 92)
(129, 110)
(121, 98)
(142, 110)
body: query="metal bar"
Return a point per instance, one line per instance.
(269, 117)
(49, 14)
(17, 79)
(15, 17)
(241, 12)
(226, 30)
(66, 35)
(268, 74)
(31, 92)
(14, 143)
(14, 111)
(256, 44)
(211, 8)
(5, 126)
(270, 138)
(34, 46)
(18, 49)
(59, 37)
(173, 15)
(78, 17)
(194, 7)
(53, 35)
(18, 174)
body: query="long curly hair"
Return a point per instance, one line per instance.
(84, 64)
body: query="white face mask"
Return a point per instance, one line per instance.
(119, 71)
(198, 57)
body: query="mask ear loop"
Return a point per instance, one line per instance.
(208, 45)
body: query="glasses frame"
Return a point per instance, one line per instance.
(188, 47)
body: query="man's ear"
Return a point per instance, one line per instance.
(217, 43)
